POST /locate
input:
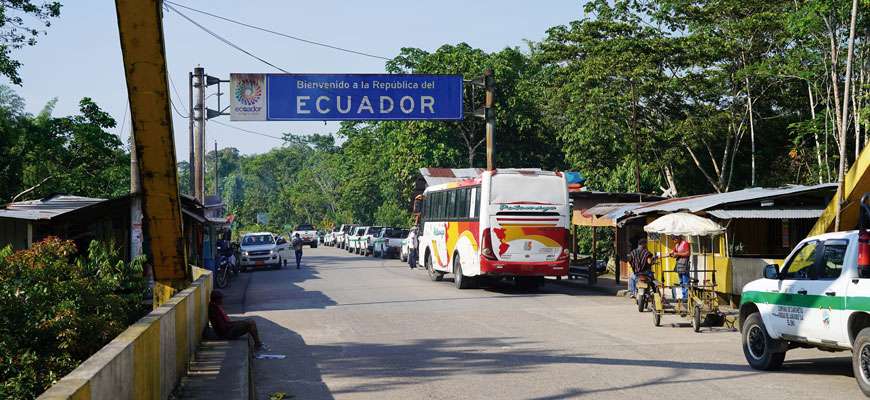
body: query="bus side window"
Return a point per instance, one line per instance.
(451, 204)
(463, 204)
(439, 206)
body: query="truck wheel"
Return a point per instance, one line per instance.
(861, 360)
(403, 257)
(314, 245)
(757, 345)
(461, 281)
(657, 319)
(696, 319)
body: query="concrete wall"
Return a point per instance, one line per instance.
(146, 360)
(745, 270)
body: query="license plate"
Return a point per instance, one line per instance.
(259, 262)
(526, 268)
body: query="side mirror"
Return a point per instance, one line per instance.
(771, 271)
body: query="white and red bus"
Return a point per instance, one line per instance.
(502, 224)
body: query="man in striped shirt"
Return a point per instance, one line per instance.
(641, 260)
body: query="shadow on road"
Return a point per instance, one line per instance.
(296, 375)
(378, 366)
(280, 290)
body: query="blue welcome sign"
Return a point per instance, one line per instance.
(345, 97)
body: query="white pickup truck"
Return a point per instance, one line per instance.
(819, 298)
(307, 233)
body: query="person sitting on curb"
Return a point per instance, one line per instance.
(230, 330)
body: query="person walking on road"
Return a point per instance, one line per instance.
(682, 251)
(412, 247)
(297, 247)
(230, 330)
(640, 259)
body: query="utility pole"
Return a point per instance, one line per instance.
(198, 131)
(135, 202)
(487, 81)
(216, 191)
(190, 176)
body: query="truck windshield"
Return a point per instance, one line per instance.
(305, 228)
(255, 240)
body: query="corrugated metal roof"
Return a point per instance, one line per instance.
(604, 209)
(768, 213)
(621, 211)
(47, 208)
(702, 203)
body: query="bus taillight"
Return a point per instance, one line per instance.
(486, 251)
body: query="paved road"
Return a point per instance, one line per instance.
(363, 328)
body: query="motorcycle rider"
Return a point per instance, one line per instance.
(641, 260)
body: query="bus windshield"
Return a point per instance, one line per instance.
(527, 188)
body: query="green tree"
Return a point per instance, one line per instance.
(16, 31)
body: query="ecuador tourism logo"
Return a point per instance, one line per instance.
(248, 97)
(248, 92)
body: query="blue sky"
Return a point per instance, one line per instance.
(81, 57)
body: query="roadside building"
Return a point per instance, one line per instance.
(84, 219)
(762, 225)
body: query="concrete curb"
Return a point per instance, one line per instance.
(576, 283)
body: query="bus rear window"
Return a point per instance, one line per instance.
(522, 188)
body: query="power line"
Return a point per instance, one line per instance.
(176, 110)
(176, 93)
(245, 130)
(233, 45)
(279, 33)
(124, 120)
(218, 37)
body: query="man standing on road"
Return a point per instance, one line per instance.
(230, 330)
(297, 247)
(640, 259)
(412, 247)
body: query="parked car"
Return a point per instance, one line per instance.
(260, 249)
(307, 233)
(367, 241)
(328, 237)
(389, 242)
(342, 234)
(353, 239)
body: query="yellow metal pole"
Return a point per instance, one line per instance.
(141, 32)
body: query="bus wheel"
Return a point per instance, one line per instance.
(462, 282)
(433, 274)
